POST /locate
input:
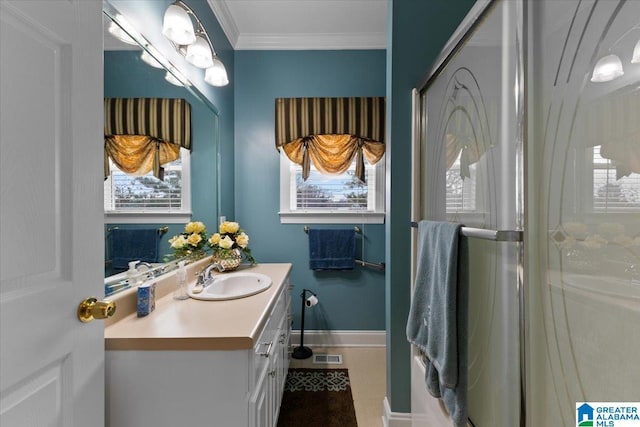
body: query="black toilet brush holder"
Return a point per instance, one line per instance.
(303, 352)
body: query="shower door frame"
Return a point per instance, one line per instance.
(472, 21)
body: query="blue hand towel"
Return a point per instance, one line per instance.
(140, 244)
(437, 321)
(332, 249)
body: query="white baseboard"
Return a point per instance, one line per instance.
(394, 419)
(320, 338)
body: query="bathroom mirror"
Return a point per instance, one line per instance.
(128, 75)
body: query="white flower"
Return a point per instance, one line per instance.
(178, 242)
(226, 242)
(242, 240)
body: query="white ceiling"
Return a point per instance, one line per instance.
(295, 24)
(303, 24)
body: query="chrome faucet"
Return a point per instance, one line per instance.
(150, 272)
(206, 273)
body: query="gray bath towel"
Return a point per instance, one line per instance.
(437, 321)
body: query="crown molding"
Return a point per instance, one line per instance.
(319, 41)
(225, 19)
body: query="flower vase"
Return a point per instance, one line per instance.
(229, 261)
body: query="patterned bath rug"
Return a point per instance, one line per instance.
(317, 398)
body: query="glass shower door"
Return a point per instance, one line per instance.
(583, 206)
(470, 157)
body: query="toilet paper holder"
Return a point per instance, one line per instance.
(302, 352)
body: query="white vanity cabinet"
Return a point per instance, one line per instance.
(264, 404)
(154, 382)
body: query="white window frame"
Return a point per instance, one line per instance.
(156, 216)
(306, 216)
(611, 214)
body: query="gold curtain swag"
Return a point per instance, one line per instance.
(331, 132)
(141, 134)
(139, 154)
(333, 154)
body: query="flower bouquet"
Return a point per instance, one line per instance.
(191, 243)
(229, 244)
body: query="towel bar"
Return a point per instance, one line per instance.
(486, 234)
(377, 266)
(356, 228)
(161, 230)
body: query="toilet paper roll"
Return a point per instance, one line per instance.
(311, 301)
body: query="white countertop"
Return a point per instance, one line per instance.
(193, 324)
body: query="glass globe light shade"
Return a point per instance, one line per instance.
(117, 32)
(177, 26)
(150, 60)
(636, 53)
(607, 68)
(216, 75)
(171, 78)
(199, 53)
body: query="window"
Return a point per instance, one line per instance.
(131, 199)
(611, 194)
(461, 192)
(331, 199)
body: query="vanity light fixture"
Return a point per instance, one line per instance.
(175, 78)
(607, 68)
(117, 32)
(216, 75)
(636, 54)
(193, 43)
(150, 60)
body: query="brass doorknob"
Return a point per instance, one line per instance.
(91, 308)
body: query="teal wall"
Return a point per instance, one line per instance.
(352, 300)
(418, 30)
(127, 76)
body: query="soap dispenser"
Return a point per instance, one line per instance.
(181, 277)
(132, 274)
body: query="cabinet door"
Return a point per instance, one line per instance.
(275, 396)
(259, 404)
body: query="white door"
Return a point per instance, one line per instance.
(51, 364)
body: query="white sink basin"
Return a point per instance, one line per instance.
(232, 286)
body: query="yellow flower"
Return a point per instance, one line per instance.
(194, 227)
(229, 227)
(214, 239)
(226, 242)
(194, 239)
(178, 242)
(242, 240)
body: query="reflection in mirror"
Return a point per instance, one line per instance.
(142, 212)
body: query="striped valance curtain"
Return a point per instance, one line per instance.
(331, 132)
(141, 134)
